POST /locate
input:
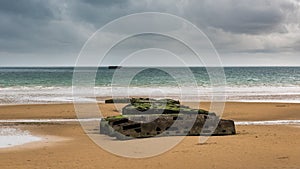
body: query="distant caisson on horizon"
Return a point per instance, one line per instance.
(114, 67)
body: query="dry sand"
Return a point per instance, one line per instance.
(65, 145)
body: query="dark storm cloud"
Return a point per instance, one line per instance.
(17, 16)
(94, 11)
(35, 9)
(45, 30)
(240, 16)
(105, 2)
(34, 27)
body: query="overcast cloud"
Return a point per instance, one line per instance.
(51, 33)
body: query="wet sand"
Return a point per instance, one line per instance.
(65, 145)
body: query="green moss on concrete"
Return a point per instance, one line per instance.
(151, 106)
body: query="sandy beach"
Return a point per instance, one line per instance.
(65, 145)
(60, 62)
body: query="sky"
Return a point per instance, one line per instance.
(244, 32)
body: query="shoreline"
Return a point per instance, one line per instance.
(203, 101)
(240, 111)
(102, 102)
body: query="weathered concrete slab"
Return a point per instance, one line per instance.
(119, 100)
(148, 118)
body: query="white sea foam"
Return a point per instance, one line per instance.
(270, 122)
(39, 94)
(267, 101)
(10, 137)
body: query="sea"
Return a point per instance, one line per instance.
(35, 85)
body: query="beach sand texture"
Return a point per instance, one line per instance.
(65, 145)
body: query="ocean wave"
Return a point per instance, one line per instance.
(40, 94)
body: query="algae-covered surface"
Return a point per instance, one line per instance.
(162, 106)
